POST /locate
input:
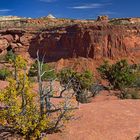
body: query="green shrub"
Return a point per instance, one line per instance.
(33, 70)
(136, 83)
(119, 74)
(85, 79)
(84, 96)
(79, 82)
(10, 56)
(65, 75)
(130, 94)
(22, 115)
(4, 73)
(50, 73)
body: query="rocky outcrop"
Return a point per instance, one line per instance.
(93, 42)
(103, 18)
(88, 41)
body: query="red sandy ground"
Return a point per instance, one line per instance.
(105, 118)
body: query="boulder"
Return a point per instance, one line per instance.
(8, 37)
(25, 39)
(4, 44)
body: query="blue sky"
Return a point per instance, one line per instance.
(81, 9)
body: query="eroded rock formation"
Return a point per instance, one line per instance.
(93, 42)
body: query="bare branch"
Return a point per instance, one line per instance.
(42, 62)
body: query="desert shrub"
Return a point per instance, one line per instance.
(33, 70)
(10, 56)
(79, 82)
(84, 96)
(119, 74)
(22, 114)
(130, 94)
(96, 88)
(19, 113)
(50, 72)
(85, 79)
(4, 73)
(66, 75)
(136, 83)
(18, 64)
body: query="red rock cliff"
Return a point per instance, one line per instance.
(95, 42)
(89, 41)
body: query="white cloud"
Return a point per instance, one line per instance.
(107, 13)
(89, 6)
(48, 1)
(5, 10)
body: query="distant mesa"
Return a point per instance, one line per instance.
(11, 18)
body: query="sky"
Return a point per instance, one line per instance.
(76, 9)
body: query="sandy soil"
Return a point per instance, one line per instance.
(106, 118)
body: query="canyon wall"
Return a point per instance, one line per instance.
(80, 43)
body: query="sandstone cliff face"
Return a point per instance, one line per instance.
(93, 42)
(88, 41)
